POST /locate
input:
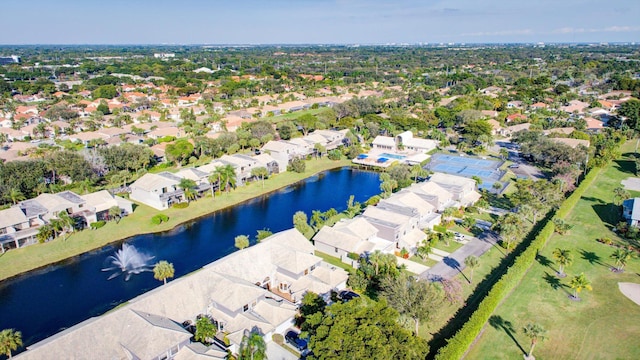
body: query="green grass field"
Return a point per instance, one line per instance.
(17, 261)
(605, 324)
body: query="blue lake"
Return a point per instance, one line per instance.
(44, 302)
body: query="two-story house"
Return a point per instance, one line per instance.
(157, 190)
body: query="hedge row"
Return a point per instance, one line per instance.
(460, 342)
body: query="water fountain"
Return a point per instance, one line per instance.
(128, 261)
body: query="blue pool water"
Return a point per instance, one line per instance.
(392, 156)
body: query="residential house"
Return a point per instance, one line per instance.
(201, 178)
(282, 151)
(463, 189)
(157, 190)
(427, 215)
(631, 211)
(66, 201)
(510, 130)
(19, 226)
(594, 125)
(573, 143)
(408, 142)
(243, 164)
(575, 106)
(350, 236)
(396, 224)
(562, 130)
(436, 195)
(272, 165)
(102, 201)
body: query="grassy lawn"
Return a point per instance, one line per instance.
(440, 319)
(453, 246)
(426, 262)
(604, 325)
(334, 261)
(295, 115)
(31, 257)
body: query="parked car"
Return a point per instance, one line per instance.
(514, 166)
(294, 339)
(346, 295)
(458, 236)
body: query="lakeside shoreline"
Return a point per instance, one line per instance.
(17, 262)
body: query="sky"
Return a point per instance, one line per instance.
(317, 21)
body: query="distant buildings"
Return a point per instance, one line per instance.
(13, 59)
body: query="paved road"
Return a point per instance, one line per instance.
(454, 263)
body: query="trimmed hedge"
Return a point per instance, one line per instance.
(181, 205)
(462, 340)
(97, 224)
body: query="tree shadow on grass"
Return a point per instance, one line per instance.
(592, 258)
(499, 323)
(555, 283)
(609, 214)
(453, 263)
(544, 261)
(626, 166)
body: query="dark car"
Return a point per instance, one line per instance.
(294, 339)
(346, 295)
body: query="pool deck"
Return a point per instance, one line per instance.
(408, 157)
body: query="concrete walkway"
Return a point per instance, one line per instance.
(412, 266)
(451, 265)
(630, 290)
(276, 352)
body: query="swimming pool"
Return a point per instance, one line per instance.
(392, 156)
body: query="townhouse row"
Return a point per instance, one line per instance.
(398, 222)
(257, 289)
(20, 223)
(162, 190)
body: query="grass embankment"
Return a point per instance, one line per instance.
(604, 325)
(35, 256)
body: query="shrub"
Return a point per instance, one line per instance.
(158, 219)
(297, 165)
(97, 224)
(335, 154)
(181, 205)
(353, 256)
(440, 228)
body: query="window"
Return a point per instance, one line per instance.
(306, 271)
(245, 307)
(313, 267)
(335, 249)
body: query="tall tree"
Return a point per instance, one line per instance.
(205, 329)
(563, 257)
(253, 347)
(163, 270)
(621, 257)
(471, 262)
(536, 333)
(362, 329)
(261, 173)
(115, 213)
(415, 299)
(10, 340)
(620, 195)
(226, 175)
(15, 195)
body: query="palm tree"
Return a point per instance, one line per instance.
(536, 333)
(621, 257)
(619, 195)
(471, 262)
(564, 258)
(16, 195)
(578, 283)
(45, 232)
(114, 213)
(188, 186)
(424, 249)
(260, 172)
(253, 347)
(226, 176)
(10, 340)
(163, 270)
(67, 222)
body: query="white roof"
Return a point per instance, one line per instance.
(384, 141)
(151, 182)
(101, 200)
(11, 216)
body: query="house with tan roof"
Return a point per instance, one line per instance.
(396, 224)
(157, 190)
(19, 226)
(562, 130)
(575, 106)
(594, 125)
(102, 201)
(573, 143)
(463, 189)
(426, 212)
(350, 236)
(240, 293)
(434, 194)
